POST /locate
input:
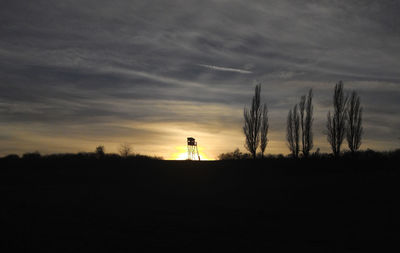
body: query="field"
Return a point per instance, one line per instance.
(123, 205)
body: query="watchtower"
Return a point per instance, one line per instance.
(192, 149)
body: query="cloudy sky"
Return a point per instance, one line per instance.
(77, 74)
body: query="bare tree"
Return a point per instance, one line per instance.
(296, 122)
(293, 131)
(354, 123)
(264, 129)
(252, 123)
(306, 120)
(336, 124)
(302, 107)
(125, 149)
(289, 132)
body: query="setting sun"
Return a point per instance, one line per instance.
(182, 154)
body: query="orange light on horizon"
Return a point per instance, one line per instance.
(182, 154)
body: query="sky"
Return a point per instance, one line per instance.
(78, 74)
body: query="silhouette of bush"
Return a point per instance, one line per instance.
(157, 157)
(11, 157)
(369, 153)
(125, 150)
(31, 156)
(144, 157)
(112, 156)
(316, 154)
(100, 151)
(396, 153)
(84, 155)
(235, 155)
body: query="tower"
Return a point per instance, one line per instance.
(192, 149)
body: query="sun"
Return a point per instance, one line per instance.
(182, 154)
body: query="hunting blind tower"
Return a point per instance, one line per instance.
(192, 149)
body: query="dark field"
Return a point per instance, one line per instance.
(116, 205)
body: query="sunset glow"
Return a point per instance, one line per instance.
(182, 154)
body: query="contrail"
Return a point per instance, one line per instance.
(242, 71)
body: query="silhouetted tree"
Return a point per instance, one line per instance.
(302, 108)
(293, 131)
(289, 132)
(264, 129)
(100, 151)
(125, 150)
(354, 122)
(252, 123)
(306, 120)
(296, 120)
(336, 124)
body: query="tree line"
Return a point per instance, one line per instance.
(344, 122)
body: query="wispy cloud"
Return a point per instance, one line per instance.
(242, 71)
